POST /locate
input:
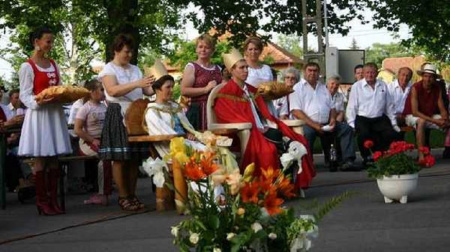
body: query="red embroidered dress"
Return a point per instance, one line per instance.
(44, 130)
(197, 111)
(231, 106)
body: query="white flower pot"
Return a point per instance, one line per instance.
(397, 187)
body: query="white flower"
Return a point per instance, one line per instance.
(194, 238)
(155, 168)
(300, 243)
(272, 236)
(256, 227)
(230, 236)
(217, 250)
(174, 231)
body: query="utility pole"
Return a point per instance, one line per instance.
(319, 56)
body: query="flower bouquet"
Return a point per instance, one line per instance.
(234, 212)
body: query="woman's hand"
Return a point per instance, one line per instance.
(190, 136)
(147, 81)
(212, 84)
(46, 100)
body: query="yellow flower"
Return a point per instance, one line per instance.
(248, 172)
(181, 157)
(177, 145)
(240, 211)
(234, 181)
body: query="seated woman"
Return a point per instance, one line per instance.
(239, 102)
(165, 117)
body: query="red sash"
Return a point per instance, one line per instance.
(43, 80)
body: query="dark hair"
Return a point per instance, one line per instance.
(92, 85)
(371, 64)
(311, 64)
(158, 83)
(357, 67)
(37, 34)
(13, 91)
(122, 40)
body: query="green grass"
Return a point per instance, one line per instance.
(437, 139)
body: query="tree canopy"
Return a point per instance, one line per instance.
(429, 22)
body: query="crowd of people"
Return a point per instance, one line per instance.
(373, 110)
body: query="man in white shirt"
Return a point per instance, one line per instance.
(399, 91)
(312, 103)
(15, 105)
(370, 112)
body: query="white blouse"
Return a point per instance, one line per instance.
(257, 76)
(123, 76)
(26, 77)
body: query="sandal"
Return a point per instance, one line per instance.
(127, 205)
(134, 200)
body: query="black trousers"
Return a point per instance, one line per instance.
(378, 129)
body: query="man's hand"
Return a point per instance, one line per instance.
(318, 128)
(440, 122)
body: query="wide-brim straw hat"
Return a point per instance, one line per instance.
(429, 68)
(158, 69)
(229, 59)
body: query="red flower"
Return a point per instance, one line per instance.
(429, 161)
(368, 144)
(193, 172)
(425, 150)
(272, 204)
(377, 155)
(207, 163)
(286, 188)
(249, 193)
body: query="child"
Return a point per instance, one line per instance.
(88, 126)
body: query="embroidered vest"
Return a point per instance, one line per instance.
(43, 80)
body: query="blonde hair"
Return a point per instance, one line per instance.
(210, 41)
(253, 40)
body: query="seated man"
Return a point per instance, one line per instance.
(291, 76)
(312, 103)
(425, 99)
(370, 112)
(238, 102)
(399, 91)
(346, 145)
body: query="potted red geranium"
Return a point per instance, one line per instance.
(396, 170)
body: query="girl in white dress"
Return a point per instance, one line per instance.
(44, 131)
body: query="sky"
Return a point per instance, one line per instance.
(364, 35)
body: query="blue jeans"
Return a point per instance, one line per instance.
(342, 132)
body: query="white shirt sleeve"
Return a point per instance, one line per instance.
(26, 79)
(156, 125)
(295, 98)
(108, 70)
(352, 106)
(390, 109)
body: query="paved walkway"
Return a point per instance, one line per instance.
(362, 223)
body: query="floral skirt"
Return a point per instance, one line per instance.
(114, 140)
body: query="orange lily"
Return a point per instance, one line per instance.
(249, 193)
(272, 204)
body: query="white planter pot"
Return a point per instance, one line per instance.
(397, 187)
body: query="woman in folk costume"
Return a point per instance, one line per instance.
(199, 78)
(165, 117)
(44, 131)
(123, 83)
(239, 102)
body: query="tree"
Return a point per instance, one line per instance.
(354, 45)
(291, 43)
(427, 21)
(85, 29)
(243, 18)
(378, 52)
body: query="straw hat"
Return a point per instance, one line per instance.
(429, 68)
(229, 59)
(157, 70)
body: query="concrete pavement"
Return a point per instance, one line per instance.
(362, 223)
